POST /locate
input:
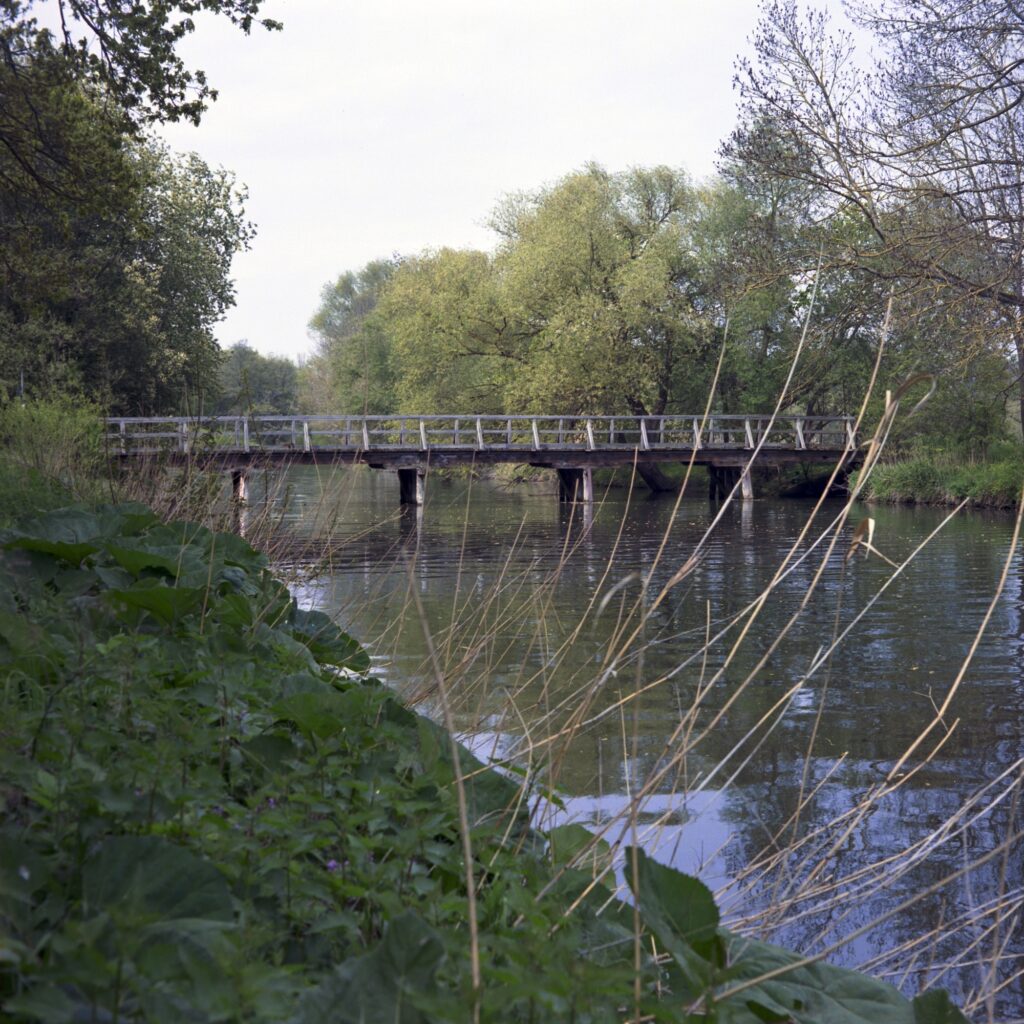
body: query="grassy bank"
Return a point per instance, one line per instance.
(215, 813)
(929, 479)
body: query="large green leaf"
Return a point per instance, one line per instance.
(681, 912)
(315, 714)
(43, 1003)
(935, 1007)
(141, 880)
(22, 870)
(818, 993)
(74, 533)
(575, 842)
(380, 987)
(166, 603)
(68, 551)
(329, 644)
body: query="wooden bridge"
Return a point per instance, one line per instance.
(572, 445)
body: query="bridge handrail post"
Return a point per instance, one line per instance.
(245, 434)
(611, 430)
(748, 433)
(424, 443)
(307, 444)
(479, 435)
(591, 445)
(850, 433)
(798, 426)
(122, 429)
(536, 434)
(644, 443)
(508, 432)
(696, 434)
(183, 430)
(366, 436)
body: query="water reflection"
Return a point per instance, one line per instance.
(564, 664)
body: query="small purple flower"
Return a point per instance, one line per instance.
(271, 802)
(333, 865)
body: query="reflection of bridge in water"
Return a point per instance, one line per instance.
(574, 446)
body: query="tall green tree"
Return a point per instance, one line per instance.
(591, 303)
(250, 382)
(599, 269)
(113, 291)
(454, 347)
(114, 255)
(351, 370)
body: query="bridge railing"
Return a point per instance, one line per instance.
(154, 435)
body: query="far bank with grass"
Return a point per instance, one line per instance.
(943, 479)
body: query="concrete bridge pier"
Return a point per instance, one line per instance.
(576, 485)
(411, 486)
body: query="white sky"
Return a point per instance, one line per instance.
(370, 128)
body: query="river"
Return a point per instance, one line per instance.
(765, 766)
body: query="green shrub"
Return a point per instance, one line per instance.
(941, 480)
(50, 451)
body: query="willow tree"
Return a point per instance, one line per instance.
(599, 273)
(591, 303)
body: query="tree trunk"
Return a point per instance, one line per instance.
(1018, 345)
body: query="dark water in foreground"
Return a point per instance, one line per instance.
(763, 786)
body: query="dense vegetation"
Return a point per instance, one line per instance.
(115, 254)
(214, 813)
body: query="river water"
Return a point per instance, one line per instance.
(752, 756)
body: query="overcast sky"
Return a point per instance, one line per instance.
(384, 126)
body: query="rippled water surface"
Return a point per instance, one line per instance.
(759, 751)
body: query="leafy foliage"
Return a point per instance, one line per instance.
(253, 383)
(114, 254)
(128, 51)
(351, 370)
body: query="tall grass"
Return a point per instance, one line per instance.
(937, 479)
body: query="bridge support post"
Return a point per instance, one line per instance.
(411, 486)
(239, 486)
(746, 484)
(722, 479)
(576, 485)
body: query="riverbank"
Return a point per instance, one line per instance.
(214, 812)
(943, 480)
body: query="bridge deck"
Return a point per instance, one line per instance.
(418, 441)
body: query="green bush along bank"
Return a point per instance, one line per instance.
(941, 479)
(213, 812)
